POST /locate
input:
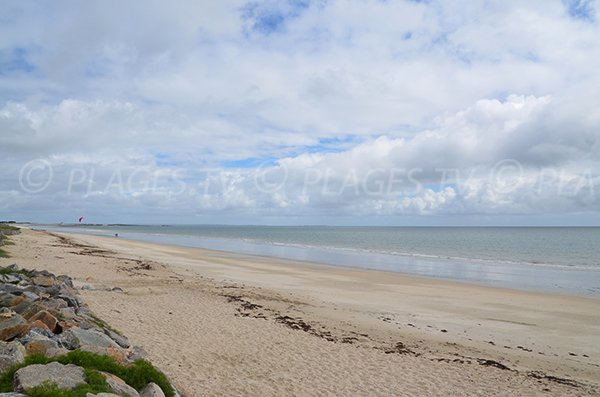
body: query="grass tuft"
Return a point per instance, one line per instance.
(95, 383)
(7, 270)
(136, 375)
(8, 228)
(6, 379)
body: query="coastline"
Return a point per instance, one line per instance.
(537, 276)
(260, 325)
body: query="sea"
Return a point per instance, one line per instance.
(551, 259)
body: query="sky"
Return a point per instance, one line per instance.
(342, 112)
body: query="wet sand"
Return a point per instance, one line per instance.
(221, 323)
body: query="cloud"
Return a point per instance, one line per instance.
(302, 108)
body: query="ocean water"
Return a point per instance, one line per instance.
(546, 258)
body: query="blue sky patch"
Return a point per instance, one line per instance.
(437, 187)
(270, 17)
(15, 60)
(331, 145)
(251, 162)
(580, 9)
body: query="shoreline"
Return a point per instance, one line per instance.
(316, 266)
(389, 321)
(532, 277)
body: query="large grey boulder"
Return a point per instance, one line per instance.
(10, 278)
(35, 333)
(6, 299)
(12, 326)
(40, 344)
(43, 280)
(120, 339)
(76, 337)
(118, 385)
(12, 395)
(99, 395)
(11, 353)
(152, 390)
(31, 296)
(63, 376)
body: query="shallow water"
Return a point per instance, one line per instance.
(549, 259)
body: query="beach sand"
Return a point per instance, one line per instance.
(223, 324)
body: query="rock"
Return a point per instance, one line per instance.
(85, 324)
(45, 315)
(64, 376)
(84, 311)
(103, 351)
(71, 301)
(56, 304)
(117, 353)
(31, 296)
(6, 299)
(44, 281)
(65, 325)
(45, 318)
(37, 324)
(21, 307)
(11, 353)
(9, 288)
(6, 312)
(40, 345)
(35, 333)
(136, 353)
(17, 300)
(27, 309)
(61, 351)
(11, 327)
(152, 390)
(118, 385)
(66, 280)
(67, 313)
(10, 300)
(10, 278)
(120, 339)
(76, 338)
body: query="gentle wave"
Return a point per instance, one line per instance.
(442, 258)
(564, 278)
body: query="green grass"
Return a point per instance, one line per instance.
(102, 324)
(8, 230)
(136, 375)
(5, 227)
(95, 383)
(6, 270)
(6, 379)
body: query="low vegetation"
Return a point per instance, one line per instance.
(136, 375)
(5, 231)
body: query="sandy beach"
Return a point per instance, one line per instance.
(222, 324)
